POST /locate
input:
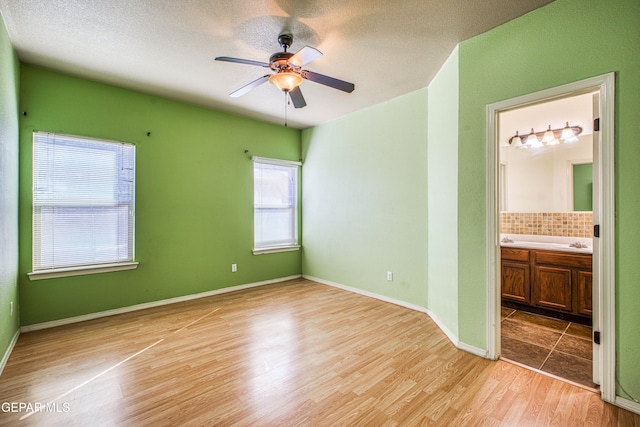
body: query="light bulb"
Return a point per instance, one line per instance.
(567, 134)
(286, 80)
(516, 141)
(533, 141)
(549, 136)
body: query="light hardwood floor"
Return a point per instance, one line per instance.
(294, 353)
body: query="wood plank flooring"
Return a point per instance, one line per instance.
(293, 353)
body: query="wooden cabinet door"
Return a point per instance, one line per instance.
(552, 288)
(583, 291)
(515, 282)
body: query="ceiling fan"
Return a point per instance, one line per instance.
(288, 72)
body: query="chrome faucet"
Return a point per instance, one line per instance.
(578, 244)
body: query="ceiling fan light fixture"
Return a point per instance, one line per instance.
(286, 80)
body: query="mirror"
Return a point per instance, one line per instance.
(552, 178)
(548, 179)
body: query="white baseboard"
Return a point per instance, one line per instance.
(452, 337)
(5, 357)
(473, 350)
(367, 294)
(91, 316)
(627, 404)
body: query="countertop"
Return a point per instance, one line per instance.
(550, 243)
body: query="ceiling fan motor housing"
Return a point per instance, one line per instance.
(285, 40)
(280, 61)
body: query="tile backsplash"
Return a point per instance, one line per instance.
(570, 224)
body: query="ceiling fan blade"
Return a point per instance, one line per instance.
(242, 61)
(246, 88)
(305, 55)
(328, 81)
(296, 97)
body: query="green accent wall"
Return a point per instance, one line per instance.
(365, 199)
(194, 194)
(400, 186)
(9, 85)
(563, 42)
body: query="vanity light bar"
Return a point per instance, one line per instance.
(546, 137)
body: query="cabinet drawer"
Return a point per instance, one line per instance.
(514, 254)
(563, 259)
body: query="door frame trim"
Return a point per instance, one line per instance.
(604, 259)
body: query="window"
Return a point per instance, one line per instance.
(275, 190)
(83, 205)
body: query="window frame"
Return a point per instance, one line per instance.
(81, 269)
(287, 247)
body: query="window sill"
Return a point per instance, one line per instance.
(80, 271)
(276, 249)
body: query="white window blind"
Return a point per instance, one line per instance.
(83, 201)
(275, 204)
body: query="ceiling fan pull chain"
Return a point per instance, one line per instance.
(286, 96)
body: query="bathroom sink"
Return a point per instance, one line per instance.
(565, 247)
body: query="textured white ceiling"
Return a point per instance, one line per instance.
(167, 47)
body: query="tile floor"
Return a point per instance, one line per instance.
(555, 346)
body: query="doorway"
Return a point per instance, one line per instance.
(546, 236)
(602, 217)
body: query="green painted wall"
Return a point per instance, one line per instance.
(194, 194)
(9, 84)
(442, 165)
(373, 182)
(584, 39)
(583, 187)
(365, 199)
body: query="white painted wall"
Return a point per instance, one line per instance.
(540, 180)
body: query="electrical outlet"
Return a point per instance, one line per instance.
(11, 309)
(390, 276)
(234, 268)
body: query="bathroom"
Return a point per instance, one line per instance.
(545, 199)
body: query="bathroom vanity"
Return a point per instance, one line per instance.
(547, 279)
